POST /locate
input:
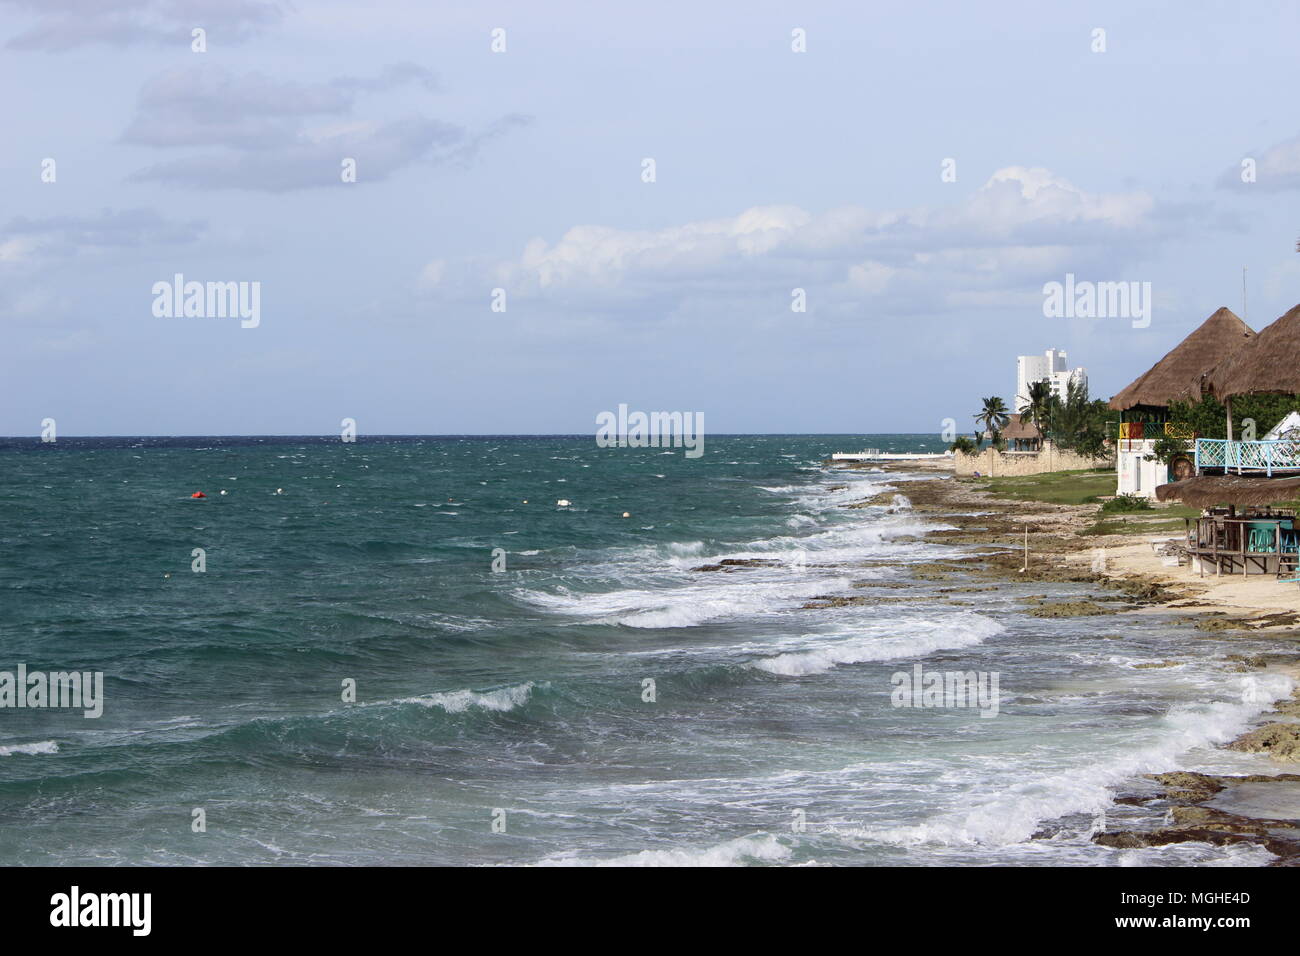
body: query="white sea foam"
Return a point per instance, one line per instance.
(688, 605)
(1192, 853)
(459, 701)
(758, 848)
(685, 547)
(912, 638)
(44, 747)
(1013, 812)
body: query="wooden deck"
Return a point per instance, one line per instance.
(1261, 543)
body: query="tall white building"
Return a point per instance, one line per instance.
(1051, 367)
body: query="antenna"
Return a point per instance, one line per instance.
(1243, 288)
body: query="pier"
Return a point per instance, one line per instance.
(875, 454)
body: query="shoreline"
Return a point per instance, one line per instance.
(1197, 806)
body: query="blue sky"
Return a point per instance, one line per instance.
(522, 170)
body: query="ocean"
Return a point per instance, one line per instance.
(592, 699)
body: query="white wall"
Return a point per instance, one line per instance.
(1137, 476)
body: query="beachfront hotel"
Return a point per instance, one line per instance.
(1052, 367)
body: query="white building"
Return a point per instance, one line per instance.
(1051, 367)
(1137, 475)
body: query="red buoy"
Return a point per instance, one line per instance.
(198, 494)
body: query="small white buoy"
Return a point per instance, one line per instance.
(525, 501)
(627, 514)
(166, 575)
(223, 491)
(279, 491)
(563, 502)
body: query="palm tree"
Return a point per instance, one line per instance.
(1034, 410)
(1037, 410)
(1075, 421)
(993, 417)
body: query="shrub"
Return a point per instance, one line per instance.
(1123, 503)
(1166, 448)
(965, 446)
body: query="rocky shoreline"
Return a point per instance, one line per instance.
(1195, 806)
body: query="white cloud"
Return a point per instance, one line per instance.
(62, 25)
(432, 273)
(602, 255)
(16, 250)
(1276, 169)
(33, 240)
(1022, 225)
(267, 134)
(871, 277)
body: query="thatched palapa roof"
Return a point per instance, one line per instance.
(1020, 430)
(1177, 376)
(1205, 491)
(1267, 364)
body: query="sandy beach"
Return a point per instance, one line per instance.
(1216, 808)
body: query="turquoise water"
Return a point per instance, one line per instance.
(504, 716)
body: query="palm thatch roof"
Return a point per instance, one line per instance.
(1268, 364)
(1205, 491)
(1177, 376)
(1020, 430)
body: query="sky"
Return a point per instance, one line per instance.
(920, 171)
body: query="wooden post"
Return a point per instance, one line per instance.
(1227, 449)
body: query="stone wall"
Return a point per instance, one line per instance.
(995, 464)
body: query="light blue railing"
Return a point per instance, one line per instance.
(1243, 456)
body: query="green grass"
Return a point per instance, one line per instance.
(1056, 487)
(1086, 487)
(1160, 524)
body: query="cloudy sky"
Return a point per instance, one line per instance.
(523, 170)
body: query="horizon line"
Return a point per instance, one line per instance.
(333, 435)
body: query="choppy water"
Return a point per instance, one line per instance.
(522, 692)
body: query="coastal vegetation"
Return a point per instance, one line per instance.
(966, 446)
(1209, 417)
(1055, 487)
(1077, 422)
(1123, 503)
(993, 417)
(1073, 422)
(1035, 411)
(1122, 514)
